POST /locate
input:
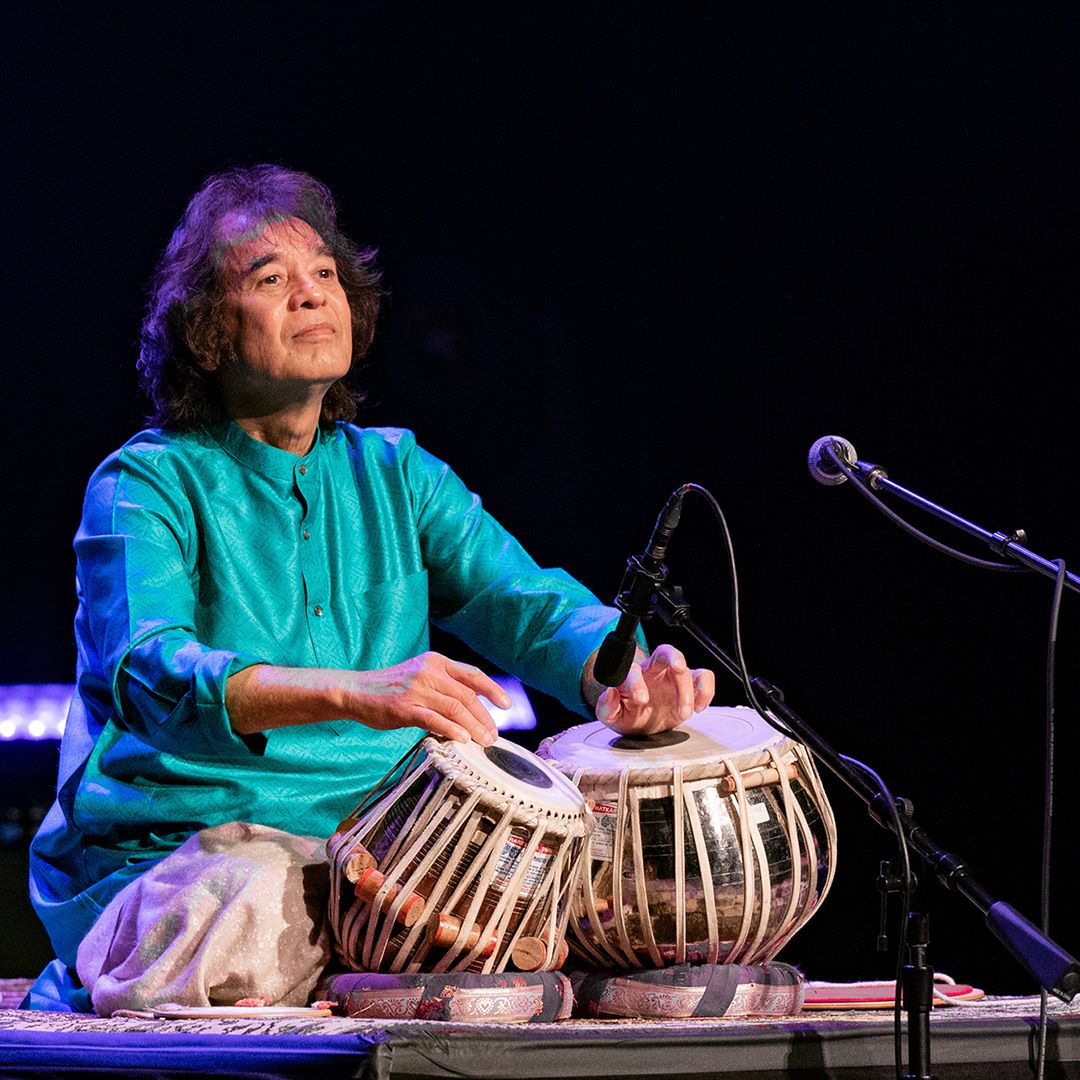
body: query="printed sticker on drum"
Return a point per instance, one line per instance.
(603, 837)
(508, 862)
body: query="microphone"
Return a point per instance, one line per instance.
(822, 467)
(644, 574)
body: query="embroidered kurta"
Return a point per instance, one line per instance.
(205, 552)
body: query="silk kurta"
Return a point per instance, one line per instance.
(205, 552)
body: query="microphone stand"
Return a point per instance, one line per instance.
(1053, 968)
(1012, 546)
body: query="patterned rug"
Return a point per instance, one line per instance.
(988, 1009)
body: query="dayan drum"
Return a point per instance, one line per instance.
(467, 864)
(714, 842)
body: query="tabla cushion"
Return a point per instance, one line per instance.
(685, 990)
(509, 998)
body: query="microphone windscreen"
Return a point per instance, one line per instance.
(613, 659)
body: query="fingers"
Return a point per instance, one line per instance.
(446, 716)
(634, 687)
(479, 683)
(656, 695)
(431, 692)
(627, 708)
(669, 664)
(704, 688)
(608, 707)
(458, 702)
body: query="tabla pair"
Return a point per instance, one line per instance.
(711, 843)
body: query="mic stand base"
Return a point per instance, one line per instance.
(918, 991)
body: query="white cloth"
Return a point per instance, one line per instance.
(236, 911)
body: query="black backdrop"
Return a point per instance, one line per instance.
(627, 251)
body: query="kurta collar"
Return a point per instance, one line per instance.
(269, 460)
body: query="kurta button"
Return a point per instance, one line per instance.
(307, 534)
(303, 470)
(318, 609)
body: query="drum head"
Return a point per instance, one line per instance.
(735, 732)
(508, 771)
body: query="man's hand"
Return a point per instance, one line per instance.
(658, 693)
(428, 691)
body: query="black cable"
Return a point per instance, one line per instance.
(736, 627)
(911, 530)
(775, 722)
(1048, 798)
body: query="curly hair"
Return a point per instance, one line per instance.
(184, 328)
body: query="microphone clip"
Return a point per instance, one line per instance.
(643, 577)
(871, 474)
(999, 541)
(671, 605)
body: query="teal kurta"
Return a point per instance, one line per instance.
(202, 553)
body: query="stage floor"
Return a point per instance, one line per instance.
(994, 1038)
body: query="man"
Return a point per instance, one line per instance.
(256, 578)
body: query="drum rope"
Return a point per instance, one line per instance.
(679, 797)
(764, 922)
(522, 917)
(618, 906)
(429, 803)
(357, 915)
(454, 846)
(588, 939)
(746, 843)
(403, 761)
(796, 839)
(502, 855)
(641, 880)
(476, 886)
(815, 892)
(706, 870)
(824, 808)
(413, 853)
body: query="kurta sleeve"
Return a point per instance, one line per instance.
(137, 556)
(540, 624)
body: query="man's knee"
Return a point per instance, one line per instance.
(236, 911)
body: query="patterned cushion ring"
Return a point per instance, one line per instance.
(510, 998)
(686, 990)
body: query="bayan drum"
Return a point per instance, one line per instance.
(714, 842)
(467, 864)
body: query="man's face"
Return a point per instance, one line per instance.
(286, 312)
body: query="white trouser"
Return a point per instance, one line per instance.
(236, 911)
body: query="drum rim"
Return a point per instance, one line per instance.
(660, 772)
(452, 761)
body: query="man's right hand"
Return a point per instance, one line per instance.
(429, 691)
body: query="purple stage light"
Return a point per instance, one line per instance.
(38, 710)
(520, 715)
(34, 710)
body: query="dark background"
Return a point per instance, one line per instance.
(627, 251)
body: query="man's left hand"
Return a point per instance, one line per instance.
(658, 693)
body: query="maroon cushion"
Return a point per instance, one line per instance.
(510, 998)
